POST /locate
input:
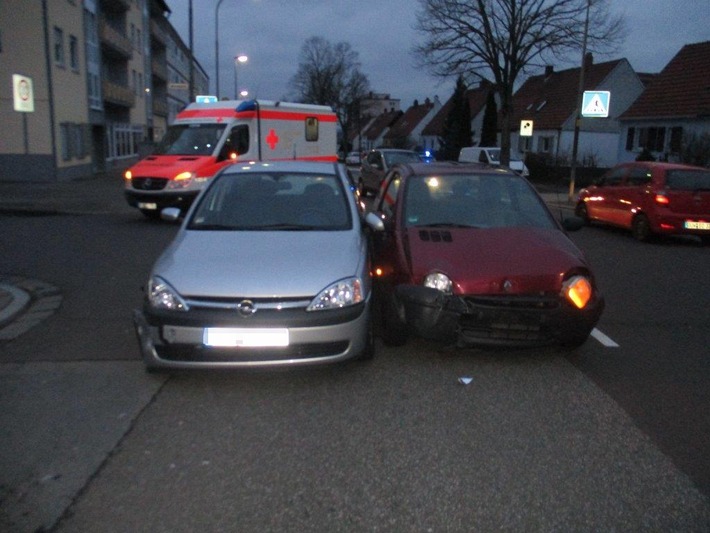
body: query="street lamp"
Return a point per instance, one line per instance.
(216, 46)
(238, 59)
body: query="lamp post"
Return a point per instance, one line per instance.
(216, 46)
(238, 59)
(578, 110)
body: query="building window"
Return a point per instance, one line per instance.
(524, 144)
(139, 44)
(630, 135)
(74, 53)
(58, 47)
(545, 144)
(652, 139)
(676, 139)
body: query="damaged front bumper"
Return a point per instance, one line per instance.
(496, 320)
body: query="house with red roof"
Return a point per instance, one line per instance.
(476, 97)
(550, 101)
(673, 108)
(406, 132)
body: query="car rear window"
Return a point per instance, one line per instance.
(688, 180)
(273, 202)
(475, 200)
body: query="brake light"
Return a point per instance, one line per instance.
(662, 199)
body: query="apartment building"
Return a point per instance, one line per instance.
(87, 84)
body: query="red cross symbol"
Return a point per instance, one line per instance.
(272, 139)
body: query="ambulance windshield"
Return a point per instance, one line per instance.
(190, 139)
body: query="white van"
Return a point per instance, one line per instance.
(491, 156)
(206, 137)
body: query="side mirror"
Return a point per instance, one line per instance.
(374, 222)
(572, 223)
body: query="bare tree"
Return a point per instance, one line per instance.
(329, 74)
(500, 39)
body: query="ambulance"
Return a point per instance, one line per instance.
(207, 136)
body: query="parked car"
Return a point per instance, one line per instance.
(490, 155)
(270, 267)
(376, 164)
(650, 199)
(353, 158)
(471, 255)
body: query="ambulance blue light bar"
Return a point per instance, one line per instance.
(205, 99)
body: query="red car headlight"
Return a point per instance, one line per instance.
(578, 291)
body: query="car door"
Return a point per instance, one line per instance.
(388, 245)
(632, 194)
(373, 170)
(605, 206)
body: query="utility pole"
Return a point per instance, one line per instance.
(192, 57)
(578, 110)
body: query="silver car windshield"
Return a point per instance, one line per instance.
(473, 201)
(273, 202)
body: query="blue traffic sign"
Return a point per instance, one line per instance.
(595, 104)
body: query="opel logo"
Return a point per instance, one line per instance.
(246, 308)
(148, 183)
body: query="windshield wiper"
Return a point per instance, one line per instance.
(212, 227)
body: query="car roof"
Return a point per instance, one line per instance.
(662, 165)
(291, 165)
(454, 167)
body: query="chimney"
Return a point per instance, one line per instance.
(588, 60)
(549, 69)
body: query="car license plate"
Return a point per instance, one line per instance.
(147, 205)
(237, 337)
(697, 224)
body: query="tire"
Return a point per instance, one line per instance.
(369, 352)
(641, 228)
(581, 211)
(393, 329)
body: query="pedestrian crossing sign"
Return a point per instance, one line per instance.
(595, 104)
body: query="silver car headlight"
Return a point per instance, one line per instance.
(339, 294)
(438, 281)
(162, 296)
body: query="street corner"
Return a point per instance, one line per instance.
(24, 303)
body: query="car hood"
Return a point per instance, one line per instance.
(258, 264)
(481, 261)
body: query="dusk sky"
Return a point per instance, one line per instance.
(271, 33)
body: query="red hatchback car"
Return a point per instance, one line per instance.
(650, 199)
(471, 255)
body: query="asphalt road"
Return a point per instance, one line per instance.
(602, 439)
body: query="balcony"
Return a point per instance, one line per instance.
(158, 33)
(118, 94)
(160, 107)
(115, 6)
(159, 69)
(114, 41)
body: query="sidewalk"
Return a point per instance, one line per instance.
(101, 194)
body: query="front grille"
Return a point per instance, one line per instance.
(149, 184)
(508, 319)
(216, 355)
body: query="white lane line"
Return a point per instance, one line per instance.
(606, 341)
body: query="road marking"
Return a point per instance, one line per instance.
(606, 341)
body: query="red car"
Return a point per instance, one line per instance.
(650, 199)
(471, 255)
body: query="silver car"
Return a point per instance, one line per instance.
(269, 268)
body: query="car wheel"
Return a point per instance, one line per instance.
(394, 329)
(581, 212)
(369, 352)
(641, 228)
